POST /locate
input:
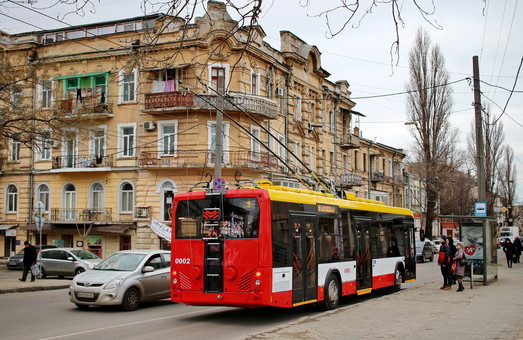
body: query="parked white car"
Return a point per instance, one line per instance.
(126, 278)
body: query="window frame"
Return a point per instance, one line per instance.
(46, 194)
(126, 79)
(122, 200)
(11, 199)
(15, 146)
(173, 137)
(122, 141)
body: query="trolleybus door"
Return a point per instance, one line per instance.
(410, 252)
(363, 258)
(304, 272)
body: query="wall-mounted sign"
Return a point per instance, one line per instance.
(480, 209)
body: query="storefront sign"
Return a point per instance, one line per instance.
(160, 229)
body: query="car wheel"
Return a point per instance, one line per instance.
(332, 293)
(432, 258)
(78, 271)
(131, 299)
(79, 306)
(43, 274)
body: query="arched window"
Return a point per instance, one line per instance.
(126, 198)
(97, 196)
(167, 197)
(69, 202)
(43, 194)
(12, 199)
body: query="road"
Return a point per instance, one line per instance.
(50, 315)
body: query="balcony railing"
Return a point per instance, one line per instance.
(351, 179)
(82, 161)
(350, 142)
(87, 105)
(378, 176)
(92, 215)
(206, 158)
(168, 101)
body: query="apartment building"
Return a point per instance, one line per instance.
(145, 93)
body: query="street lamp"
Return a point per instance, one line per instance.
(39, 209)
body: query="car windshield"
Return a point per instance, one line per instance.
(121, 261)
(84, 254)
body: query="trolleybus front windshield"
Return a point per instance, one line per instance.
(234, 218)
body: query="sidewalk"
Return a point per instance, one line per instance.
(426, 312)
(9, 282)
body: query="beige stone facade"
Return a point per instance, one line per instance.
(150, 89)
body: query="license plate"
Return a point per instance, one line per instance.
(85, 295)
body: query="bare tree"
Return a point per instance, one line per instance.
(429, 105)
(21, 117)
(506, 186)
(494, 137)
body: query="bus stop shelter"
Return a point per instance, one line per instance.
(479, 236)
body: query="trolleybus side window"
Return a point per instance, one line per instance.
(330, 240)
(238, 218)
(348, 236)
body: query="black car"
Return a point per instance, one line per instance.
(15, 262)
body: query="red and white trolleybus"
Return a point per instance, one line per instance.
(277, 246)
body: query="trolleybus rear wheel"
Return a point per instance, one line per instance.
(332, 293)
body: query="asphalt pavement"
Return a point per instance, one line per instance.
(494, 311)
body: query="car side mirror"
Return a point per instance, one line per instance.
(147, 269)
(70, 258)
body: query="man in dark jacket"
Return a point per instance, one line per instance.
(444, 261)
(29, 260)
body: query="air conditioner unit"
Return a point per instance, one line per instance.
(149, 126)
(279, 91)
(142, 212)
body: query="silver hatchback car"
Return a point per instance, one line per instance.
(66, 261)
(125, 278)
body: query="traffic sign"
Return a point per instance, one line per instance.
(219, 183)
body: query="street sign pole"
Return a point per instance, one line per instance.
(39, 209)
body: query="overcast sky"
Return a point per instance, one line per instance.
(361, 55)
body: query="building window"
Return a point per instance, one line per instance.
(97, 196)
(16, 97)
(255, 144)
(70, 149)
(43, 148)
(332, 122)
(126, 140)
(98, 143)
(128, 86)
(168, 137)
(14, 149)
(282, 152)
(168, 194)
(43, 195)
(218, 79)
(69, 202)
(126, 198)
(45, 94)
(255, 84)
(12, 199)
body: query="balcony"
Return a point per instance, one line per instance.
(169, 101)
(80, 215)
(82, 162)
(206, 158)
(378, 176)
(85, 106)
(351, 180)
(349, 142)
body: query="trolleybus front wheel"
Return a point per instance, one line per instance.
(332, 292)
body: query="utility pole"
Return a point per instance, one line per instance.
(480, 149)
(218, 157)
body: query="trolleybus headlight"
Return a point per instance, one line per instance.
(257, 282)
(175, 280)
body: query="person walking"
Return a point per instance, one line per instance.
(444, 259)
(518, 247)
(460, 268)
(508, 248)
(29, 260)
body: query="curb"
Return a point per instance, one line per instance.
(32, 289)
